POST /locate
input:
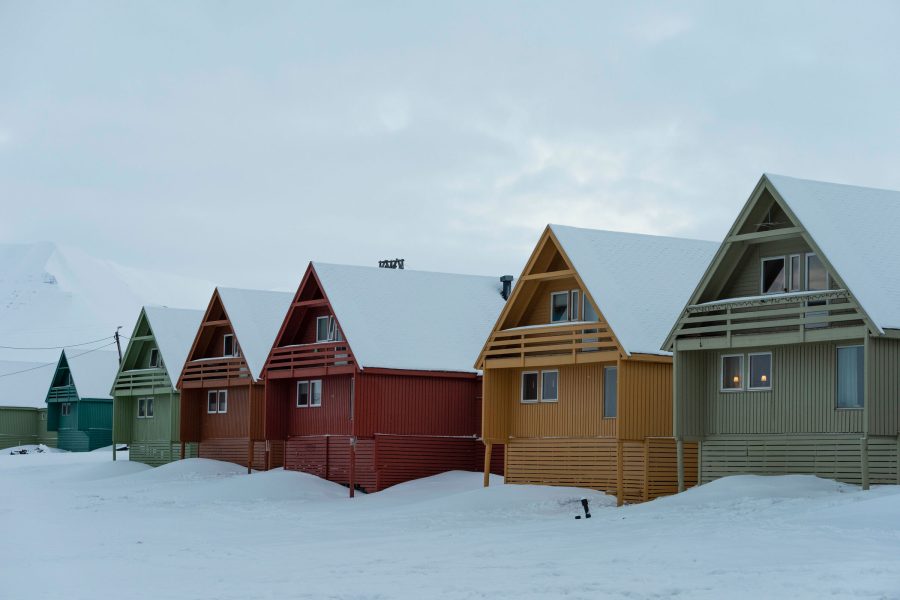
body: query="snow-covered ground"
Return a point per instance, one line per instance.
(80, 526)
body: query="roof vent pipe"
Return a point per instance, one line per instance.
(506, 280)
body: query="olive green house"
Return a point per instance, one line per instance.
(79, 406)
(787, 356)
(145, 402)
(23, 412)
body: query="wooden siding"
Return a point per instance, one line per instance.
(233, 424)
(156, 453)
(646, 470)
(745, 279)
(690, 401)
(537, 311)
(498, 391)
(333, 417)
(802, 399)
(645, 393)
(884, 399)
(834, 456)
(24, 425)
(329, 457)
(235, 450)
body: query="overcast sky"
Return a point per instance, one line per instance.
(236, 141)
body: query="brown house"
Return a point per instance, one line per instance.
(223, 405)
(575, 385)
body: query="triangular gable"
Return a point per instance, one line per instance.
(214, 316)
(93, 372)
(750, 223)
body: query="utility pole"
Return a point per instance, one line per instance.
(118, 343)
(119, 348)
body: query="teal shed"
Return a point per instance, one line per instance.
(79, 405)
(23, 412)
(146, 405)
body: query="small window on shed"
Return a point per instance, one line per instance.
(529, 386)
(154, 358)
(559, 307)
(732, 373)
(774, 279)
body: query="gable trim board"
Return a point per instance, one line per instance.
(848, 229)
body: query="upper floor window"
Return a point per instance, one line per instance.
(794, 285)
(774, 278)
(327, 329)
(732, 373)
(588, 313)
(564, 306)
(230, 346)
(816, 275)
(610, 392)
(850, 376)
(217, 401)
(154, 358)
(145, 408)
(760, 371)
(65, 409)
(540, 386)
(309, 393)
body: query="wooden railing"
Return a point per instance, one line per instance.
(782, 318)
(219, 371)
(569, 343)
(145, 381)
(326, 357)
(61, 393)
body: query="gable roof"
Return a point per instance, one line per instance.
(93, 372)
(173, 330)
(407, 319)
(856, 230)
(24, 383)
(255, 317)
(640, 283)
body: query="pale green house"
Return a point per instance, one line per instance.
(787, 355)
(146, 403)
(23, 412)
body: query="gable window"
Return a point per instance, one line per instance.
(529, 386)
(760, 371)
(587, 312)
(559, 307)
(795, 273)
(154, 358)
(549, 386)
(65, 409)
(774, 278)
(574, 305)
(230, 346)
(732, 376)
(850, 376)
(217, 401)
(816, 275)
(145, 408)
(309, 393)
(610, 392)
(327, 329)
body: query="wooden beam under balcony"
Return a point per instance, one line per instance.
(218, 323)
(310, 303)
(548, 276)
(758, 237)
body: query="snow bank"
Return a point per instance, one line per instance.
(766, 488)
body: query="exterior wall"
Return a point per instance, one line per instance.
(645, 390)
(745, 279)
(156, 453)
(44, 435)
(24, 425)
(236, 450)
(332, 418)
(884, 392)
(538, 310)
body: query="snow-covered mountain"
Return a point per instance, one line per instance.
(54, 295)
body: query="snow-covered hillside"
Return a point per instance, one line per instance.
(52, 295)
(204, 529)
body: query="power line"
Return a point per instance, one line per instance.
(54, 347)
(53, 364)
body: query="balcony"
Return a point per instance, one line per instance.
(142, 381)
(62, 393)
(304, 360)
(547, 345)
(790, 318)
(224, 371)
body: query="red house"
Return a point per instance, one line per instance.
(370, 380)
(223, 405)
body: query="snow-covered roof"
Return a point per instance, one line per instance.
(174, 330)
(93, 372)
(639, 282)
(256, 316)
(856, 229)
(416, 320)
(24, 383)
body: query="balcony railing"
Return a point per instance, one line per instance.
(218, 371)
(324, 358)
(565, 343)
(61, 393)
(143, 381)
(780, 318)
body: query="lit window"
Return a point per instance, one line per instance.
(850, 376)
(732, 373)
(559, 307)
(773, 275)
(530, 386)
(154, 358)
(610, 392)
(761, 371)
(549, 386)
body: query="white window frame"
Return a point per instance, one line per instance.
(762, 273)
(297, 398)
(836, 372)
(541, 386)
(722, 374)
(806, 274)
(222, 394)
(522, 387)
(750, 370)
(313, 383)
(574, 305)
(790, 286)
(65, 409)
(553, 295)
(212, 393)
(141, 402)
(154, 364)
(234, 350)
(149, 408)
(329, 323)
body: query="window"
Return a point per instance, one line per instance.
(549, 386)
(795, 273)
(732, 373)
(816, 275)
(302, 394)
(142, 408)
(530, 386)
(149, 408)
(588, 313)
(216, 401)
(309, 393)
(559, 307)
(65, 409)
(230, 346)
(322, 329)
(760, 371)
(610, 392)
(574, 304)
(850, 376)
(773, 275)
(154, 358)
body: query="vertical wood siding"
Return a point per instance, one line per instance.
(645, 399)
(498, 392)
(691, 404)
(235, 450)
(333, 417)
(802, 399)
(884, 406)
(19, 426)
(329, 457)
(745, 279)
(156, 453)
(232, 424)
(538, 310)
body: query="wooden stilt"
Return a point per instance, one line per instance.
(352, 465)
(864, 459)
(487, 463)
(182, 450)
(620, 488)
(249, 456)
(679, 453)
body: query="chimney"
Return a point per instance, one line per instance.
(506, 280)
